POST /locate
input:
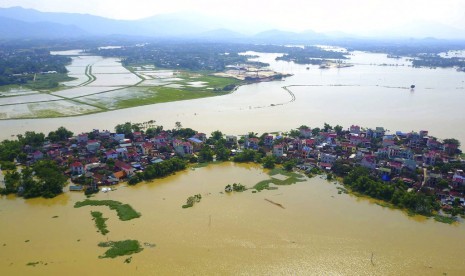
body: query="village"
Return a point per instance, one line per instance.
(423, 163)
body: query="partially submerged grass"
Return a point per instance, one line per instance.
(444, 219)
(100, 222)
(120, 248)
(48, 82)
(124, 211)
(292, 178)
(192, 200)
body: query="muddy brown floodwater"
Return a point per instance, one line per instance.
(318, 232)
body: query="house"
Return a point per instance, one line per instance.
(37, 155)
(268, 140)
(306, 132)
(196, 143)
(354, 129)
(183, 148)
(82, 138)
(160, 139)
(118, 137)
(120, 175)
(433, 144)
(369, 161)
(104, 134)
(147, 148)
(53, 154)
(450, 148)
(358, 140)
(201, 136)
(133, 156)
(429, 158)
(328, 158)
(308, 142)
(231, 140)
(127, 168)
(458, 179)
(388, 140)
(251, 143)
(111, 154)
(278, 150)
(122, 152)
(77, 168)
(396, 167)
(93, 145)
(348, 147)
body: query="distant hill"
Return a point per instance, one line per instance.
(18, 22)
(12, 29)
(278, 36)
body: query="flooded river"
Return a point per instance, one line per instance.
(318, 232)
(374, 92)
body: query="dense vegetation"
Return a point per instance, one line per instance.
(159, 170)
(360, 181)
(199, 56)
(310, 55)
(19, 66)
(44, 178)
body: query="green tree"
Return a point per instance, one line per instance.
(289, 165)
(327, 127)
(206, 154)
(269, 162)
(294, 133)
(316, 131)
(12, 182)
(61, 134)
(338, 130)
(222, 153)
(31, 138)
(217, 135)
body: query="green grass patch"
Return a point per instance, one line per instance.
(48, 81)
(100, 222)
(166, 94)
(215, 82)
(120, 248)
(292, 178)
(124, 211)
(444, 219)
(205, 164)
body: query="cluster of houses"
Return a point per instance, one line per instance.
(107, 158)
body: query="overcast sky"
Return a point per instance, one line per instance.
(353, 16)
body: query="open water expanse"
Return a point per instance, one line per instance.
(318, 232)
(374, 92)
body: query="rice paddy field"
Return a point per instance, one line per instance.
(98, 84)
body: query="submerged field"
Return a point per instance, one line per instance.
(97, 84)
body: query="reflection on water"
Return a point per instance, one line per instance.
(318, 232)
